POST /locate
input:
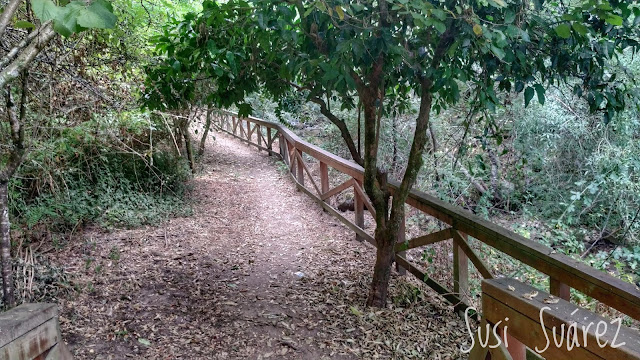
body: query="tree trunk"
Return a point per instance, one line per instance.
(382, 268)
(207, 125)
(189, 149)
(5, 246)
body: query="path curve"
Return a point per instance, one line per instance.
(259, 271)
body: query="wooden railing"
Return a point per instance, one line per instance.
(564, 272)
(31, 331)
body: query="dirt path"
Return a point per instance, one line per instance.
(222, 284)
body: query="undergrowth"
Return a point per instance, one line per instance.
(103, 171)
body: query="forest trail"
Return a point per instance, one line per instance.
(222, 284)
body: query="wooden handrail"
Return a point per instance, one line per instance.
(31, 331)
(563, 270)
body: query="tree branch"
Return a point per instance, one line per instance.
(22, 62)
(7, 15)
(344, 131)
(422, 125)
(17, 134)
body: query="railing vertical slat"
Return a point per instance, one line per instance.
(460, 271)
(324, 177)
(359, 211)
(283, 149)
(561, 290)
(300, 168)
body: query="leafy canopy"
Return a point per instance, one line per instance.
(329, 48)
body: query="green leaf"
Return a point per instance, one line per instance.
(528, 95)
(355, 311)
(66, 22)
(440, 26)
(244, 109)
(20, 24)
(563, 30)
(340, 12)
(540, 91)
(614, 20)
(580, 28)
(144, 341)
(99, 15)
(44, 9)
(509, 16)
(499, 53)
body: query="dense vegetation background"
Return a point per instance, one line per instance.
(93, 156)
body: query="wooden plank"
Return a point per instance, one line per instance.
(460, 271)
(336, 162)
(259, 133)
(338, 189)
(452, 298)
(524, 322)
(561, 290)
(32, 343)
(22, 319)
(363, 234)
(324, 178)
(299, 166)
(292, 157)
(248, 142)
(283, 150)
(59, 352)
(611, 291)
(423, 240)
(358, 204)
(459, 240)
(306, 169)
(364, 198)
(478, 352)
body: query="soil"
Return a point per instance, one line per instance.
(258, 271)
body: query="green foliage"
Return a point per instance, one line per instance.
(75, 16)
(90, 173)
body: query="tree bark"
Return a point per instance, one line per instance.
(188, 148)
(388, 224)
(5, 246)
(24, 59)
(207, 125)
(7, 15)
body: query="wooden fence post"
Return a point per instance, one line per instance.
(556, 288)
(358, 204)
(324, 177)
(401, 239)
(269, 141)
(300, 175)
(283, 149)
(460, 271)
(259, 133)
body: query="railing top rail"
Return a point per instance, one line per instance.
(612, 291)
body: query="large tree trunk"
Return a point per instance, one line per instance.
(385, 256)
(5, 246)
